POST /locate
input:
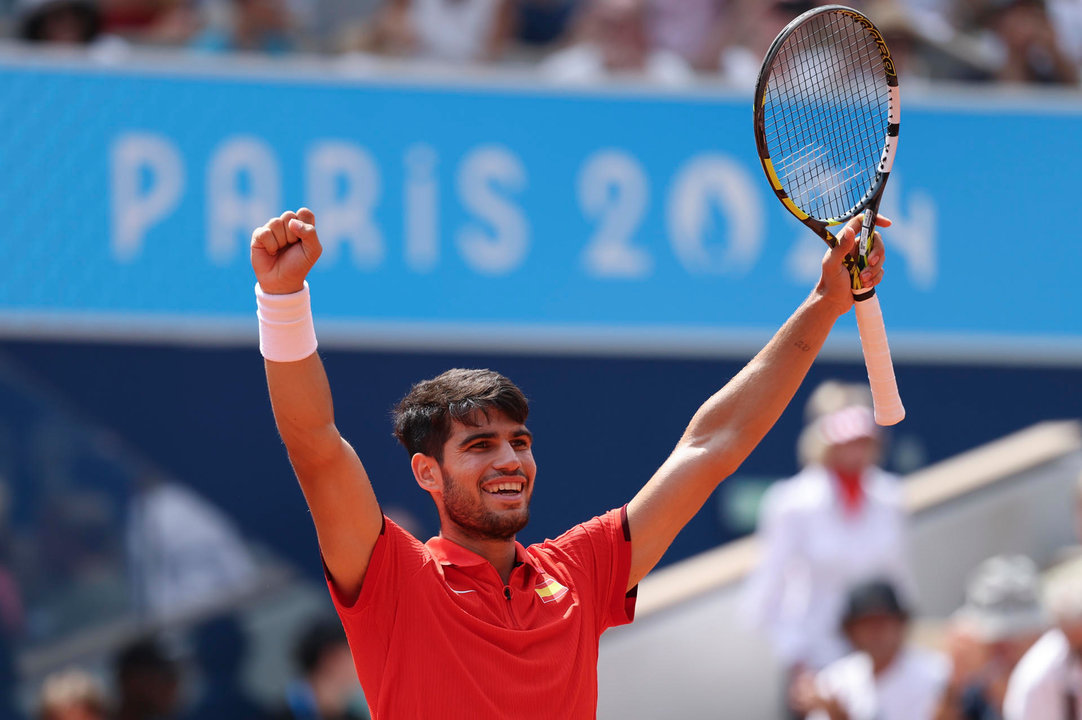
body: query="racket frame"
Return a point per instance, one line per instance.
(888, 404)
(869, 202)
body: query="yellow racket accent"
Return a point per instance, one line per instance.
(770, 174)
(794, 209)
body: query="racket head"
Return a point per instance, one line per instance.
(827, 116)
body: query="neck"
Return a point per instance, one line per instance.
(500, 553)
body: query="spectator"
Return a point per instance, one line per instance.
(686, 27)
(220, 648)
(1024, 45)
(904, 37)
(185, 553)
(1066, 17)
(837, 523)
(613, 41)
(156, 22)
(147, 681)
(741, 41)
(64, 22)
(255, 26)
(1047, 683)
(460, 31)
(72, 695)
(884, 679)
(999, 622)
(327, 688)
(541, 23)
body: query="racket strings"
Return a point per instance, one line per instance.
(814, 175)
(825, 115)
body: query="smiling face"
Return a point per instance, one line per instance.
(485, 478)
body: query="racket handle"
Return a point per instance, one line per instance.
(873, 340)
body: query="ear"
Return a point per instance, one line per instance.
(427, 473)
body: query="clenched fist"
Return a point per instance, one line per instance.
(284, 250)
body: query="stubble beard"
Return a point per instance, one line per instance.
(474, 519)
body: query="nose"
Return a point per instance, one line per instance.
(507, 460)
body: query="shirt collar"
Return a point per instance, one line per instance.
(447, 552)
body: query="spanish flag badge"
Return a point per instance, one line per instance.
(548, 589)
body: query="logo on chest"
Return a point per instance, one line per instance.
(548, 589)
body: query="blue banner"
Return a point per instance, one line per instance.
(508, 216)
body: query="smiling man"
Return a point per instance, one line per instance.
(472, 624)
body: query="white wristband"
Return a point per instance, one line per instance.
(286, 330)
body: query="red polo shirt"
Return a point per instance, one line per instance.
(436, 634)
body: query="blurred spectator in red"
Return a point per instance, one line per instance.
(1001, 619)
(837, 523)
(256, 26)
(885, 678)
(459, 31)
(327, 688)
(72, 695)
(1047, 683)
(147, 682)
(156, 22)
(64, 22)
(612, 41)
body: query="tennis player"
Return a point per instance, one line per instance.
(472, 624)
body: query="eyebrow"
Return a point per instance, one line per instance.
(521, 432)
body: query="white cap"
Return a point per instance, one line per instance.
(846, 425)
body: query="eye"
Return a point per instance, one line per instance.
(480, 445)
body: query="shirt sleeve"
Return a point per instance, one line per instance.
(600, 549)
(765, 590)
(396, 556)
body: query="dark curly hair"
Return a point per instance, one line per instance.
(422, 419)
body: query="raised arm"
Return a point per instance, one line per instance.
(334, 482)
(731, 423)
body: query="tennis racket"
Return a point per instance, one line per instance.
(826, 128)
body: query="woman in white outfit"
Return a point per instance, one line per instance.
(837, 523)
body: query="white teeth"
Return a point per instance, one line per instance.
(515, 487)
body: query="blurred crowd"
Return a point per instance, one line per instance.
(153, 617)
(156, 678)
(835, 597)
(670, 42)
